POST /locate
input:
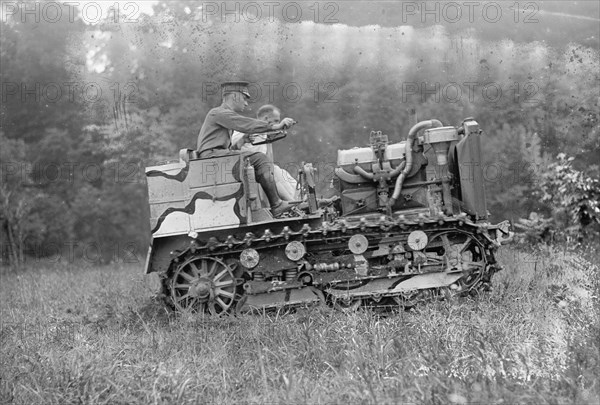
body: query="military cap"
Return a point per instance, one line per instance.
(230, 87)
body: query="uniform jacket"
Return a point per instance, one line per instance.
(219, 124)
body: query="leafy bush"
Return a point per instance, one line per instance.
(573, 198)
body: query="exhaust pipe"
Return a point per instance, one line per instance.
(412, 134)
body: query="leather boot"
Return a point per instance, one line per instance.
(279, 209)
(270, 190)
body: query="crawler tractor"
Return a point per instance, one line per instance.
(408, 224)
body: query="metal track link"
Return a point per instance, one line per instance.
(376, 291)
(339, 227)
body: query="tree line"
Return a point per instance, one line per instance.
(86, 107)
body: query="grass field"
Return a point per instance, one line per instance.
(88, 335)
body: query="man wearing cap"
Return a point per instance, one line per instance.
(214, 138)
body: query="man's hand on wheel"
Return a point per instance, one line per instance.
(249, 138)
(284, 123)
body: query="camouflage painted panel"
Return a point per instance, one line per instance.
(216, 170)
(196, 195)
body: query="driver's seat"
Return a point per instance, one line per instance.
(187, 154)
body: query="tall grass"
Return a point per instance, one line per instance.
(97, 335)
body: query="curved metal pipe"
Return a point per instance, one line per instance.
(398, 169)
(371, 176)
(348, 177)
(363, 172)
(412, 134)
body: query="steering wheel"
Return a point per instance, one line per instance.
(270, 137)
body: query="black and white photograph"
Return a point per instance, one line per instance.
(300, 202)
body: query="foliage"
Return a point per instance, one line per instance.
(536, 230)
(19, 203)
(353, 77)
(573, 196)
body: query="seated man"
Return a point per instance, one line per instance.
(214, 138)
(286, 184)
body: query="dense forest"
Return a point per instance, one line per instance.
(87, 105)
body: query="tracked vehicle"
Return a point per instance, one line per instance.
(408, 223)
